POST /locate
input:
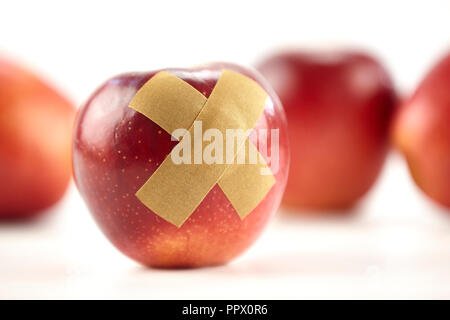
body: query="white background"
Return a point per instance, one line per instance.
(396, 244)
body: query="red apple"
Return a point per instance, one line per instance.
(339, 107)
(116, 150)
(35, 136)
(422, 133)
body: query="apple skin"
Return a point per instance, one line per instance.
(35, 140)
(421, 132)
(115, 151)
(339, 107)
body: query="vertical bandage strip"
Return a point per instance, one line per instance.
(236, 102)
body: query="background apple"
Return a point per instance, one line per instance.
(422, 133)
(339, 107)
(35, 134)
(116, 150)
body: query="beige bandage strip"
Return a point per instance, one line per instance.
(236, 102)
(169, 102)
(244, 185)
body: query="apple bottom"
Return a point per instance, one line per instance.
(213, 235)
(332, 179)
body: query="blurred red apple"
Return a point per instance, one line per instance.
(35, 134)
(422, 133)
(339, 107)
(116, 150)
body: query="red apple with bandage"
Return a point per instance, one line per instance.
(148, 161)
(35, 138)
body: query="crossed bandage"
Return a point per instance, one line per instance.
(174, 191)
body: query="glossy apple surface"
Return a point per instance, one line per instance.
(35, 139)
(116, 150)
(422, 133)
(339, 107)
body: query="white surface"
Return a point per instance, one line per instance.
(396, 245)
(393, 246)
